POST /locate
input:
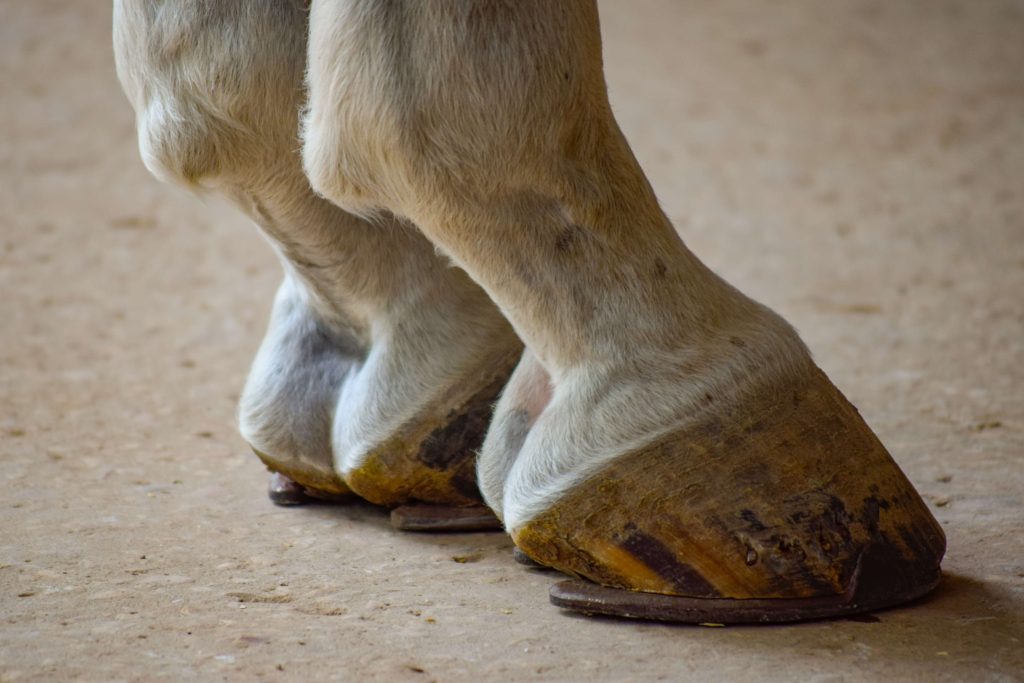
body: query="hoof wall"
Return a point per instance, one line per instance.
(444, 518)
(593, 599)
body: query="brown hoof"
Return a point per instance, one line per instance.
(444, 518)
(781, 505)
(432, 458)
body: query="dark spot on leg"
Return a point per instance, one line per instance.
(517, 427)
(736, 341)
(567, 238)
(660, 268)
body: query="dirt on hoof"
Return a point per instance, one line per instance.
(855, 165)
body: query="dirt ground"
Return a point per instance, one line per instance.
(856, 165)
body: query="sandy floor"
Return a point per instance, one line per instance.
(856, 165)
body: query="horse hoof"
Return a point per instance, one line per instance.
(783, 506)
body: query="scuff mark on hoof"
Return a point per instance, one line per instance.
(444, 518)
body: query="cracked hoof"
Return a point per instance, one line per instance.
(444, 518)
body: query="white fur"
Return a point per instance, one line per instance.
(457, 117)
(487, 126)
(370, 327)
